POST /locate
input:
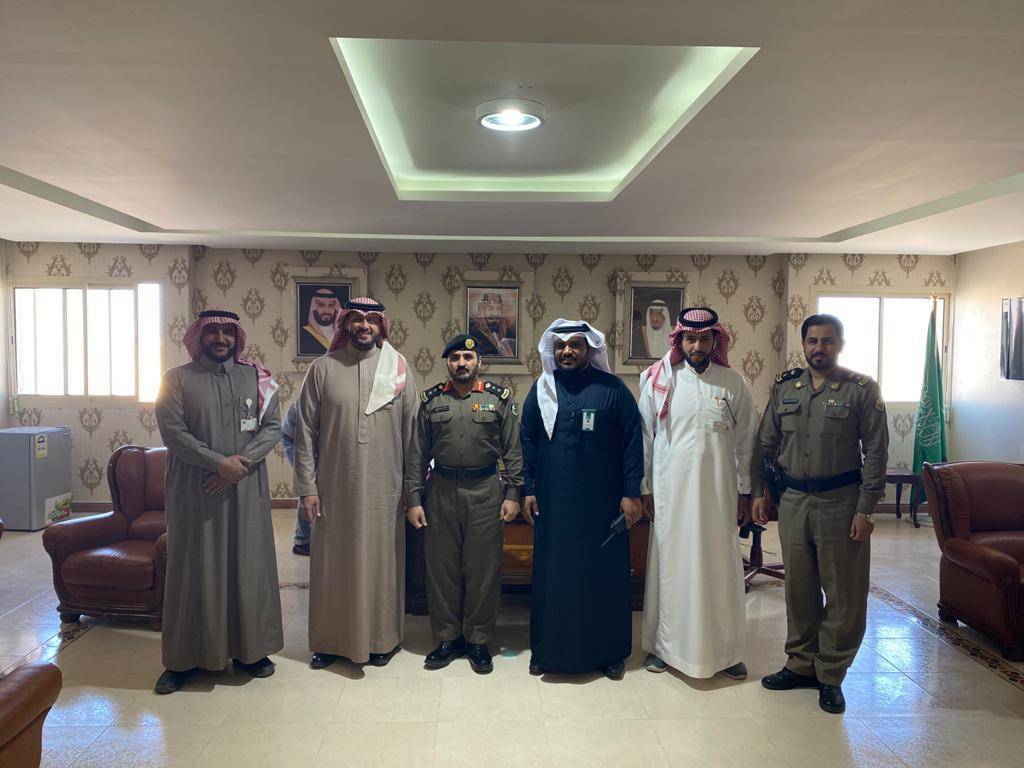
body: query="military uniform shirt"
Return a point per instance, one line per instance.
(839, 428)
(474, 431)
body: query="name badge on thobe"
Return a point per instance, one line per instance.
(589, 419)
(248, 421)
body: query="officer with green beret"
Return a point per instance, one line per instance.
(466, 426)
(825, 428)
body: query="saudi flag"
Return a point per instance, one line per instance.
(930, 432)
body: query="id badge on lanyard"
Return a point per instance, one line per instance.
(589, 420)
(248, 421)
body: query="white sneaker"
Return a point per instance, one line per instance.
(737, 671)
(654, 664)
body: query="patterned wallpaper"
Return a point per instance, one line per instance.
(752, 294)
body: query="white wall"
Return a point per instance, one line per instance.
(988, 412)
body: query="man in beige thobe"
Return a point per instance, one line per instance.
(218, 417)
(357, 409)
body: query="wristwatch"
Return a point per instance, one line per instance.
(870, 516)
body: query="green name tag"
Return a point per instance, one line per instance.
(589, 419)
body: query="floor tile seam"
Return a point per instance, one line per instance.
(84, 750)
(882, 738)
(42, 592)
(952, 636)
(75, 632)
(897, 761)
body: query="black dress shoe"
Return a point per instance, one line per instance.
(831, 699)
(786, 680)
(262, 668)
(322, 660)
(301, 549)
(171, 681)
(480, 658)
(535, 669)
(382, 659)
(615, 671)
(445, 653)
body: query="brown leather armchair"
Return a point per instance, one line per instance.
(978, 514)
(26, 696)
(113, 564)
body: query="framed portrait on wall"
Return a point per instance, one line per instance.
(492, 318)
(652, 315)
(318, 300)
(646, 307)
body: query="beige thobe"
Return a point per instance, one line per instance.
(357, 549)
(221, 599)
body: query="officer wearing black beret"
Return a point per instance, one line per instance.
(466, 426)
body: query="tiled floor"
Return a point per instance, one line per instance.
(913, 697)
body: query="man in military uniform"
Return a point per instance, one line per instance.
(466, 426)
(825, 427)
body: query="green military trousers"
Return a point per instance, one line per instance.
(464, 535)
(814, 530)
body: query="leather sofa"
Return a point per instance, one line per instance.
(113, 564)
(26, 696)
(977, 510)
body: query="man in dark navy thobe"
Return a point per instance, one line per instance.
(583, 463)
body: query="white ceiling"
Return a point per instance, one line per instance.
(862, 125)
(610, 110)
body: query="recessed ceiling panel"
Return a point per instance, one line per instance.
(610, 110)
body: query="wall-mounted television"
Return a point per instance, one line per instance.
(1011, 341)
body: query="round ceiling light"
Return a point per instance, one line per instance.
(511, 114)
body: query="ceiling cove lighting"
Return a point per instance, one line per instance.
(511, 114)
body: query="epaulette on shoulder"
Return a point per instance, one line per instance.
(429, 394)
(792, 373)
(860, 378)
(502, 393)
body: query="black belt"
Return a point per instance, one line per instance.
(464, 473)
(821, 484)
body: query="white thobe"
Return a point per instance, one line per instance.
(697, 459)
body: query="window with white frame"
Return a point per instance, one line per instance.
(88, 340)
(886, 336)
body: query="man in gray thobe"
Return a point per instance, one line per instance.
(218, 417)
(357, 408)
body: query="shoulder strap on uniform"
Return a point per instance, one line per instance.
(792, 373)
(861, 379)
(429, 394)
(502, 393)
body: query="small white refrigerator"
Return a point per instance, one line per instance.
(35, 476)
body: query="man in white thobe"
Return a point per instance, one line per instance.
(699, 424)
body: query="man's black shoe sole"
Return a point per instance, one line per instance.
(810, 683)
(441, 664)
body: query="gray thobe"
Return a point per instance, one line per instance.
(357, 549)
(221, 600)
